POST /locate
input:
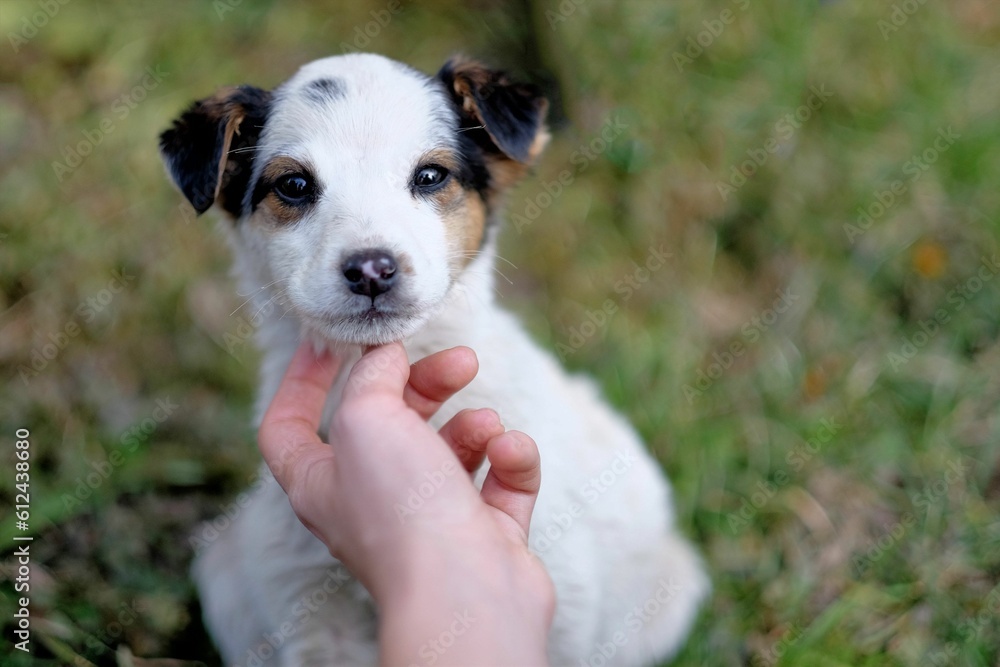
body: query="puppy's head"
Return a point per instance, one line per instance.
(360, 187)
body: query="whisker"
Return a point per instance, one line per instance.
(259, 288)
(275, 296)
(285, 312)
(472, 254)
(509, 281)
(506, 260)
(476, 253)
(251, 296)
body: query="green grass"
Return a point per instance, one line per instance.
(859, 547)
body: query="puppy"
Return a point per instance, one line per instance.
(363, 201)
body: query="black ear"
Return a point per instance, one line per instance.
(498, 114)
(209, 150)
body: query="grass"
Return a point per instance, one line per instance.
(840, 470)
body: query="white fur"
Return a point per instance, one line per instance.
(625, 578)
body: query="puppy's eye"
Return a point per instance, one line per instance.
(295, 189)
(430, 176)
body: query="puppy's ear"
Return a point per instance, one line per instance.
(209, 150)
(499, 115)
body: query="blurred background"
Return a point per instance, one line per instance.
(780, 261)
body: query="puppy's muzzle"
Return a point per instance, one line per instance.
(370, 272)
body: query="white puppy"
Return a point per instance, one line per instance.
(364, 199)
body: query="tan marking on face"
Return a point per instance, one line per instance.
(275, 211)
(462, 211)
(441, 156)
(472, 227)
(405, 264)
(464, 216)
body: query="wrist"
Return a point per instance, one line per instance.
(484, 608)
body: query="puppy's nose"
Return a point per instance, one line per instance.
(370, 272)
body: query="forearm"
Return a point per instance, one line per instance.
(463, 612)
(466, 632)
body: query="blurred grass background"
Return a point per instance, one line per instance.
(841, 471)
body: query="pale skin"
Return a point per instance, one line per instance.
(454, 580)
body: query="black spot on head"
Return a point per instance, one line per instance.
(325, 90)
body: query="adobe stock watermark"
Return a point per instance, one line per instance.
(74, 155)
(892, 535)
(564, 10)
(129, 441)
(923, 501)
(304, 608)
(778, 649)
(784, 128)
(751, 332)
(968, 630)
(956, 299)
(581, 158)
(696, 44)
(626, 286)
(796, 459)
(898, 17)
(234, 340)
(209, 531)
(913, 169)
(432, 650)
(86, 311)
(223, 7)
(128, 613)
(364, 34)
(562, 522)
(33, 23)
(420, 494)
(633, 622)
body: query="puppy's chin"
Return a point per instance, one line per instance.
(364, 330)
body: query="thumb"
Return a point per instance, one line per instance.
(381, 370)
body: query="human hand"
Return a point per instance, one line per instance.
(461, 548)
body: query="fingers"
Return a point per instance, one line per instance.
(514, 478)
(469, 432)
(435, 379)
(381, 370)
(292, 420)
